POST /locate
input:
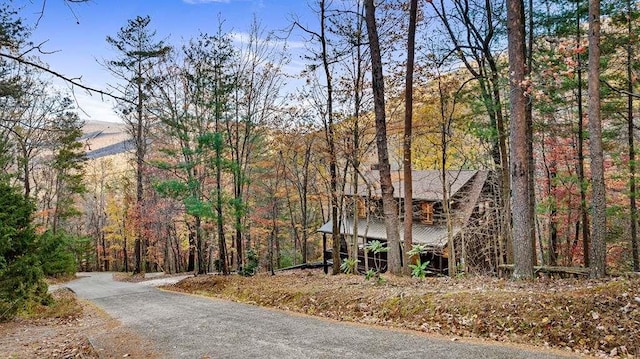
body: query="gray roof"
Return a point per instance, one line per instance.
(113, 149)
(427, 185)
(431, 236)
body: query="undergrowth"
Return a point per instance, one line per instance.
(64, 305)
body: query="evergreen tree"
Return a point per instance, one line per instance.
(21, 276)
(138, 54)
(69, 166)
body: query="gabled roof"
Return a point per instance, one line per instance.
(427, 185)
(434, 237)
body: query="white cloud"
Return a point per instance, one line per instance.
(245, 38)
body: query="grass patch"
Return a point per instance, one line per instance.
(63, 305)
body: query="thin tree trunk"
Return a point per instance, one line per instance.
(333, 168)
(553, 221)
(529, 117)
(304, 203)
(633, 209)
(222, 245)
(584, 212)
(125, 254)
(408, 127)
(139, 188)
(357, 102)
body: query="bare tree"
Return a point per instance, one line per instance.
(474, 27)
(255, 100)
(329, 125)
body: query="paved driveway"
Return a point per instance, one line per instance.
(185, 326)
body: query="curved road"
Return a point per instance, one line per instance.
(185, 326)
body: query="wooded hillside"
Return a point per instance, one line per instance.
(228, 168)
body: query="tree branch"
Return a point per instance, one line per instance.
(620, 91)
(72, 81)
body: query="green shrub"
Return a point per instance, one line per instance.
(251, 265)
(21, 277)
(21, 282)
(55, 252)
(418, 270)
(349, 266)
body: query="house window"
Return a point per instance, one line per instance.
(427, 212)
(361, 208)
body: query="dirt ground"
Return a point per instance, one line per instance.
(90, 333)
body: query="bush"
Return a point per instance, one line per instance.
(55, 254)
(251, 265)
(21, 277)
(21, 283)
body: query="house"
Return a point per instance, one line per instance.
(468, 193)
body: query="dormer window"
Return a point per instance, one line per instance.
(426, 212)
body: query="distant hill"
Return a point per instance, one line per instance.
(103, 139)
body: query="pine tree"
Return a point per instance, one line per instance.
(68, 164)
(138, 53)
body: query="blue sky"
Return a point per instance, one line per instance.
(76, 32)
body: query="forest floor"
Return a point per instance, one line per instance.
(595, 318)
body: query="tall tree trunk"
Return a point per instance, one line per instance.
(105, 252)
(329, 131)
(191, 259)
(408, 127)
(633, 209)
(553, 221)
(389, 204)
(529, 117)
(138, 252)
(238, 219)
(584, 212)
(452, 262)
(304, 202)
(522, 216)
(222, 244)
(598, 251)
(357, 103)
(125, 254)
